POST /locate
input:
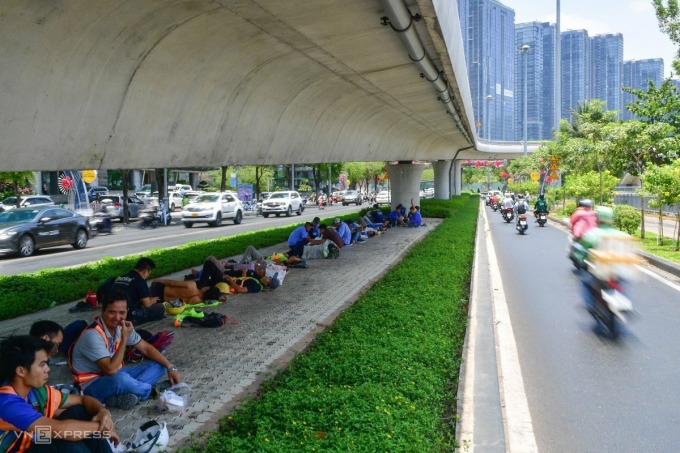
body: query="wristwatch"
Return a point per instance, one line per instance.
(172, 368)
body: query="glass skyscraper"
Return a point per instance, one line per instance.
(607, 69)
(529, 76)
(575, 60)
(637, 74)
(489, 36)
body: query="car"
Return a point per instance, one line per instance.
(94, 191)
(175, 200)
(284, 202)
(429, 192)
(112, 204)
(211, 208)
(352, 196)
(264, 196)
(25, 230)
(35, 201)
(383, 197)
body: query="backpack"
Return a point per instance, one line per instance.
(71, 334)
(161, 341)
(521, 208)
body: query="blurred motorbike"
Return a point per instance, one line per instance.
(542, 218)
(101, 223)
(508, 214)
(611, 307)
(522, 224)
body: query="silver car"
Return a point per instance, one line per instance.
(33, 201)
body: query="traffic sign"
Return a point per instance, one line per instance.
(89, 175)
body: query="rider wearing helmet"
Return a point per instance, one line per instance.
(583, 219)
(540, 206)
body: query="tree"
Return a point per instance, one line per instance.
(589, 184)
(663, 181)
(668, 15)
(17, 179)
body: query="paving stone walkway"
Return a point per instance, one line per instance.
(226, 364)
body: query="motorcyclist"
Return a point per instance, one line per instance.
(520, 207)
(583, 219)
(540, 206)
(507, 204)
(592, 239)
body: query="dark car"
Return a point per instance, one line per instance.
(25, 230)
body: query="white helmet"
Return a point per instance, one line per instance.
(151, 437)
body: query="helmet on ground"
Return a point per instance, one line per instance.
(174, 307)
(151, 437)
(605, 215)
(585, 203)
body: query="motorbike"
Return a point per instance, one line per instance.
(101, 223)
(576, 253)
(495, 206)
(542, 218)
(508, 214)
(611, 307)
(152, 217)
(251, 206)
(522, 224)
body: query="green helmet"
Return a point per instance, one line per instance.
(605, 215)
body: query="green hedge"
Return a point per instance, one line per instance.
(384, 376)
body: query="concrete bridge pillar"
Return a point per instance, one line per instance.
(457, 177)
(405, 179)
(442, 179)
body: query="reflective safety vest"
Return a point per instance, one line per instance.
(14, 440)
(87, 376)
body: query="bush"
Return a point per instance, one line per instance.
(569, 208)
(627, 218)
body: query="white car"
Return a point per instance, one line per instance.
(26, 201)
(383, 197)
(283, 203)
(212, 208)
(175, 199)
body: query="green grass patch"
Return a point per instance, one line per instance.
(650, 245)
(27, 293)
(383, 377)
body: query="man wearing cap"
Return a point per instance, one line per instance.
(343, 230)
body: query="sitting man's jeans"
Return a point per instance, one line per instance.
(137, 379)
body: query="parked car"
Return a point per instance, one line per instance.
(94, 191)
(383, 197)
(112, 204)
(25, 230)
(35, 201)
(284, 202)
(211, 208)
(352, 196)
(175, 200)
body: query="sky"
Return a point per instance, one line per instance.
(634, 19)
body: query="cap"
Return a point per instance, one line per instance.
(261, 266)
(273, 283)
(337, 220)
(223, 287)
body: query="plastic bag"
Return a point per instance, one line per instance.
(175, 399)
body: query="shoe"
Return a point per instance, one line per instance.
(126, 401)
(162, 386)
(359, 241)
(80, 307)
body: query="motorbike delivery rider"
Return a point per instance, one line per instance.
(581, 221)
(540, 206)
(590, 240)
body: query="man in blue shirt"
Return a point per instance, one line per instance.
(298, 239)
(32, 411)
(343, 230)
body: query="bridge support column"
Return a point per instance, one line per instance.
(442, 179)
(456, 177)
(405, 179)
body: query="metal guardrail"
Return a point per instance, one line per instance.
(633, 199)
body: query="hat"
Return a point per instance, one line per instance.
(337, 220)
(223, 287)
(273, 283)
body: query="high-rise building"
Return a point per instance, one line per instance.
(606, 56)
(547, 98)
(489, 36)
(529, 80)
(575, 60)
(637, 74)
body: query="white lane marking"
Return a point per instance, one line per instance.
(659, 278)
(519, 430)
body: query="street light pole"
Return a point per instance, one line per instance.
(524, 50)
(489, 98)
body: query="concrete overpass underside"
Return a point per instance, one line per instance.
(203, 83)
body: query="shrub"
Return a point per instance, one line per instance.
(569, 208)
(627, 218)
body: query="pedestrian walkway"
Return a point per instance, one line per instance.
(266, 330)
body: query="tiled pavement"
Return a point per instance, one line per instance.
(222, 365)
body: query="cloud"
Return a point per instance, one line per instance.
(641, 6)
(594, 27)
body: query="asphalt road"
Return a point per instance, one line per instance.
(130, 239)
(586, 392)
